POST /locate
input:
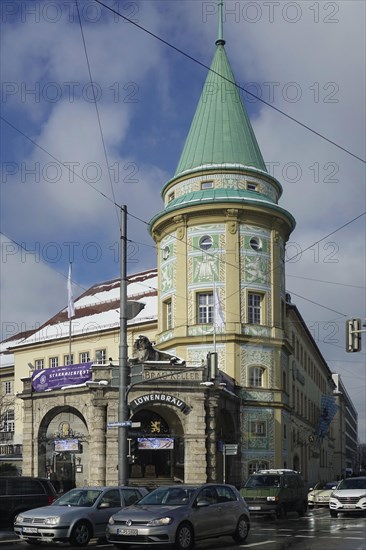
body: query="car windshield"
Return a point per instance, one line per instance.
(263, 481)
(78, 497)
(171, 496)
(352, 483)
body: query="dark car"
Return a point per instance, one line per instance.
(76, 516)
(18, 494)
(181, 515)
(275, 491)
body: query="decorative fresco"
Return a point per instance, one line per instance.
(258, 426)
(256, 356)
(167, 264)
(196, 355)
(222, 181)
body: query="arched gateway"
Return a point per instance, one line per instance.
(182, 422)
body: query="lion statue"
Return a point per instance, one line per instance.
(143, 350)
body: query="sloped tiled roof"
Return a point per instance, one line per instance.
(98, 309)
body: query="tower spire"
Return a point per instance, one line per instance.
(220, 39)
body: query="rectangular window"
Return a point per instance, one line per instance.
(84, 357)
(39, 363)
(207, 185)
(205, 307)
(101, 356)
(167, 315)
(8, 388)
(256, 377)
(171, 196)
(53, 362)
(258, 428)
(68, 360)
(251, 186)
(255, 308)
(8, 421)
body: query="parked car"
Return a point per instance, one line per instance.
(275, 492)
(349, 496)
(181, 515)
(319, 495)
(18, 494)
(76, 516)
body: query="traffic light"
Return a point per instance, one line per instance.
(353, 335)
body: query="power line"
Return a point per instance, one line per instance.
(195, 60)
(97, 110)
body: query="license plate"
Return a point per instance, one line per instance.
(348, 506)
(29, 530)
(131, 532)
(254, 507)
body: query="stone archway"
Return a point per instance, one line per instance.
(63, 447)
(157, 447)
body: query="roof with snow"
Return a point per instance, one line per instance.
(98, 309)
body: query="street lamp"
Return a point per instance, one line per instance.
(128, 310)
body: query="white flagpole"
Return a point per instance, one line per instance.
(70, 308)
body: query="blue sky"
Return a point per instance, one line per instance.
(292, 54)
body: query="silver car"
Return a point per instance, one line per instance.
(319, 495)
(349, 496)
(75, 517)
(181, 515)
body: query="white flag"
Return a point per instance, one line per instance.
(70, 298)
(219, 316)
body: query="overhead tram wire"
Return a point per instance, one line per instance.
(97, 112)
(144, 221)
(195, 60)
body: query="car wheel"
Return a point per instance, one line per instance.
(184, 538)
(242, 530)
(81, 534)
(333, 513)
(280, 511)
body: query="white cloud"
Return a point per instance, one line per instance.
(323, 185)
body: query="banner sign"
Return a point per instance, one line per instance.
(328, 409)
(55, 378)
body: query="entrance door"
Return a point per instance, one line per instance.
(64, 469)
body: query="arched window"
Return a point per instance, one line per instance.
(256, 377)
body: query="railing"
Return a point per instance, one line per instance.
(11, 450)
(6, 436)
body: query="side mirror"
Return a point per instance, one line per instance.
(105, 505)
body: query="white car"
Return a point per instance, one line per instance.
(320, 494)
(350, 496)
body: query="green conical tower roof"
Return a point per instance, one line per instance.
(221, 132)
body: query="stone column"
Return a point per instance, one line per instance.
(97, 448)
(211, 444)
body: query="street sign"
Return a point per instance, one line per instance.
(124, 424)
(231, 449)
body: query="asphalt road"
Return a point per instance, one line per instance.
(316, 531)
